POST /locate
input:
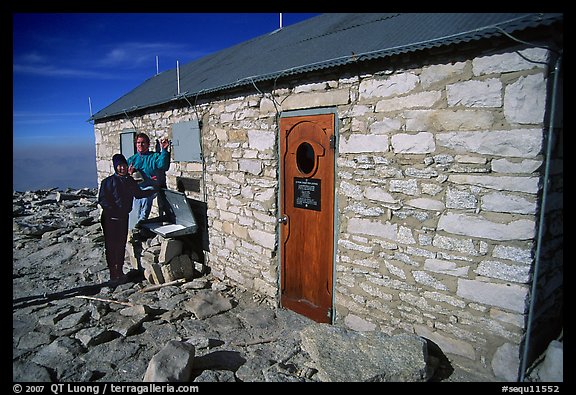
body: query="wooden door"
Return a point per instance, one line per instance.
(307, 214)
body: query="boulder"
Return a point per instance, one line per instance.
(172, 364)
(342, 354)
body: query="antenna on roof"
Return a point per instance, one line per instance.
(178, 76)
(90, 105)
(156, 64)
(280, 20)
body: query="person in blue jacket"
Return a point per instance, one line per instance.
(152, 167)
(115, 196)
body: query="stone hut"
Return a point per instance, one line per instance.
(390, 172)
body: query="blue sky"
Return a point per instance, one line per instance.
(64, 62)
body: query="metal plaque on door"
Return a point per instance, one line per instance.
(307, 193)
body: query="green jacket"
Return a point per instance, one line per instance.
(152, 166)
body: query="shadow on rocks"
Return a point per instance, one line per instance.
(442, 366)
(219, 360)
(86, 290)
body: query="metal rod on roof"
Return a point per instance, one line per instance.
(280, 20)
(178, 76)
(90, 105)
(156, 64)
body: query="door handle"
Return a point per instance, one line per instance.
(283, 220)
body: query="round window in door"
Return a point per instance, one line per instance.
(305, 158)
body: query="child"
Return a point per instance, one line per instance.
(115, 196)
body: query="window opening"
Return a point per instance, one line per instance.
(305, 158)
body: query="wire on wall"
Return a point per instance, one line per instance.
(130, 119)
(540, 230)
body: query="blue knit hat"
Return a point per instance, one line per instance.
(118, 159)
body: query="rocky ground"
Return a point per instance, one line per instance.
(70, 324)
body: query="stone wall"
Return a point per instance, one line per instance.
(439, 172)
(438, 175)
(240, 182)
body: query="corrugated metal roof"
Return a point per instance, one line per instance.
(327, 40)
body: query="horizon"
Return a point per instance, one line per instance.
(64, 167)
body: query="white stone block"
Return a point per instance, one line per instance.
(506, 166)
(438, 72)
(509, 62)
(261, 140)
(417, 100)
(265, 239)
(396, 84)
(478, 226)
(373, 228)
(419, 143)
(523, 143)
(358, 324)
(525, 100)
(426, 204)
(385, 126)
(357, 143)
(507, 203)
(486, 93)
(507, 296)
(333, 97)
(502, 183)
(440, 120)
(250, 166)
(506, 361)
(379, 194)
(445, 267)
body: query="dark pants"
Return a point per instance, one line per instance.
(115, 237)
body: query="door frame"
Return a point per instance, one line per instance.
(299, 113)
